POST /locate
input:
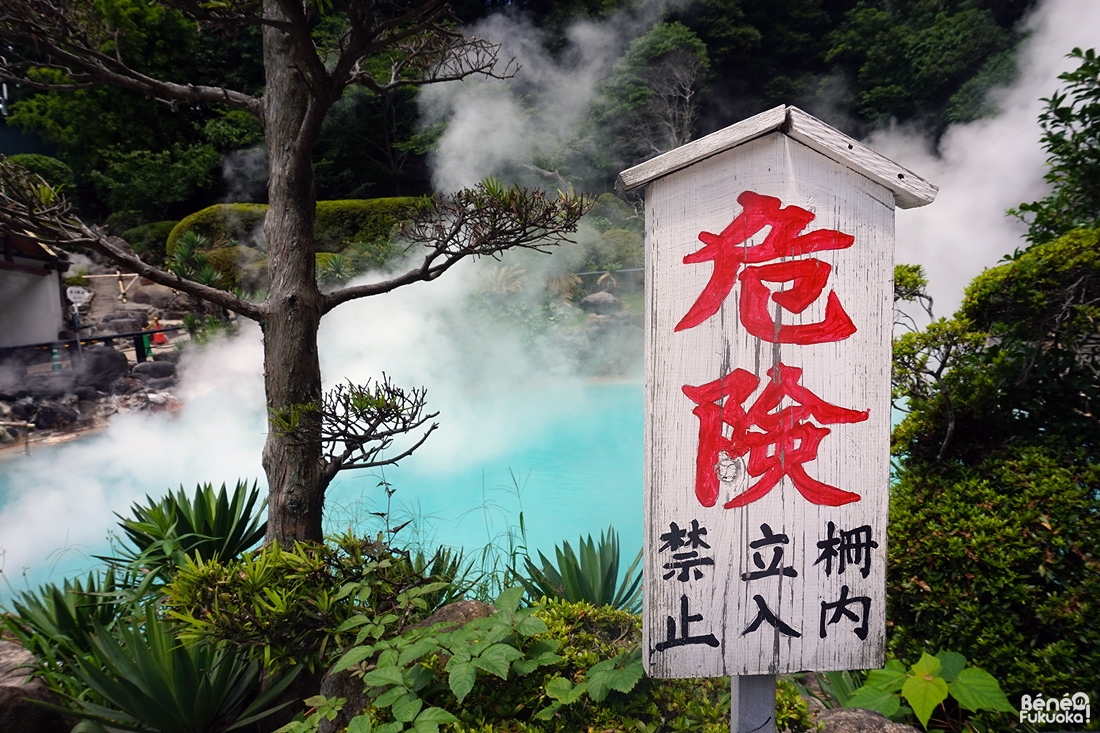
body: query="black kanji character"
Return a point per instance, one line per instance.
(852, 547)
(765, 614)
(840, 609)
(686, 563)
(684, 638)
(675, 538)
(775, 568)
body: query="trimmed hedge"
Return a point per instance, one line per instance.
(241, 266)
(339, 223)
(149, 240)
(53, 171)
(1000, 562)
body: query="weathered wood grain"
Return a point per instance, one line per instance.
(851, 373)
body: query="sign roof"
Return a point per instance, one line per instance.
(909, 189)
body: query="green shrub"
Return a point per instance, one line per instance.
(242, 267)
(611, 212)
(221, 224)
(365, 223)
(149, 682)
(290, 606)
(999, 562)
(56, 173)
(149, 240)
(591, 576)
(554, 667)
(616, 249)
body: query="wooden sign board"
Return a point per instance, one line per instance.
(769, 272)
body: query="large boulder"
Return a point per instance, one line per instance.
(102, 367)
(54, 416)
(858, 720)
(154, 370)
(17, 713)
(602, 304)
(51, 385)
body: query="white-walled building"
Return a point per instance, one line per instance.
(31, 308)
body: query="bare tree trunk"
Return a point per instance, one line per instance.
(292, 371)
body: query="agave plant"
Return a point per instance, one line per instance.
(149, 682)
(591, 575)
(210, 525)
(56, 623)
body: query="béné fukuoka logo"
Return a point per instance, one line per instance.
(1065, 709)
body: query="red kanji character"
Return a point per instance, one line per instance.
(779, 441)
(729, 251)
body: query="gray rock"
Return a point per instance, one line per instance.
(52, 385)
(457, 614)
(88, 394)
(161, 385)
(54, 416)
(19, 715)
(858, 720)
(102, 367)
(15, 664)
(22, 409)
(129, 385)
(155, 295)
(172, 356)
(154, 369)
(601, 304)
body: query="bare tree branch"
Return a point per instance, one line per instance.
(29, 204)
(483, 221)
(72, 38)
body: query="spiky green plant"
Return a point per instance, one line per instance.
(209, 525)
(149, 682)
(590, 575)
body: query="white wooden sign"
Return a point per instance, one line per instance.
(769, 265)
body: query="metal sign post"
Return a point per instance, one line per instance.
(769, 271)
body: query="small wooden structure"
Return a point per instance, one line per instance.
(769, 271)
(31, 307)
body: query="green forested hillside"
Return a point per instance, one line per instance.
(705, 64)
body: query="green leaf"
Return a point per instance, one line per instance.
(439, 716)
(416, 651)
(406, 708)
(924, 692)
(548, 712)
(497, 659)
(353, 657)
(564, 691)
(887, 680)
(353, 622)
(384, 676)
(509, 599)
(926, 666)
(531, 625)
(390, 696)
(461, 679)
(976, 689)
(359, 724)
(951, 663)
(873, 698)
(396, 727)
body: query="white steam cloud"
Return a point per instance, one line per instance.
(988, 166)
